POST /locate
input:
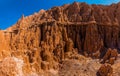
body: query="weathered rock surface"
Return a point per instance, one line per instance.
(105, 70)
(11, 66)
(45, 39)
(110, 56)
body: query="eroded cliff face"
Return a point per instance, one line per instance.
(45, 39)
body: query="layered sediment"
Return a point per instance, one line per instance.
(45, 39)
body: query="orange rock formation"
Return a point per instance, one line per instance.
(46, 38)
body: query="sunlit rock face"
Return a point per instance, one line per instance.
(11, 66)
(43, 42)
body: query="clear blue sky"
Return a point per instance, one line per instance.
(11, 10)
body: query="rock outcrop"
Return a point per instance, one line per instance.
(110, 56)
(105, 70)
(45, 39)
